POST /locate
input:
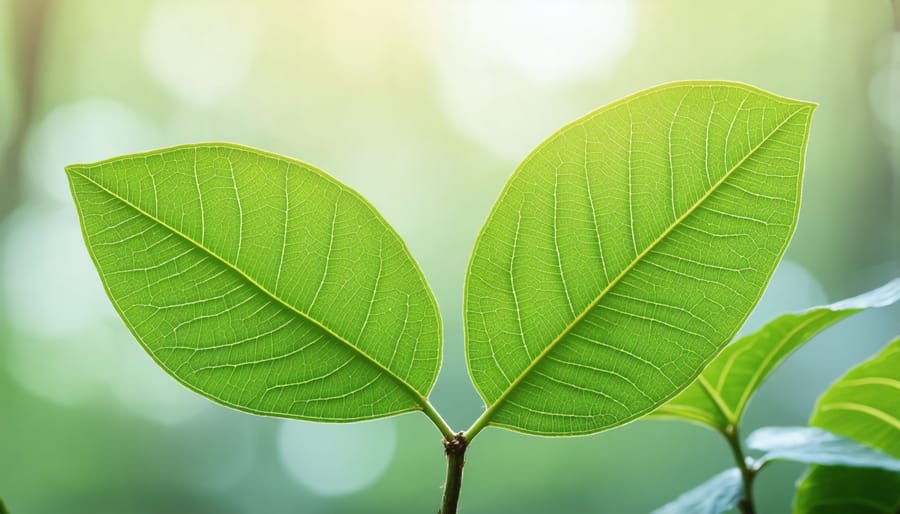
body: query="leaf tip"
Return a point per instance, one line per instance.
(72, 169)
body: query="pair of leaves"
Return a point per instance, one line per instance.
(864, 405)
(809, 445)
(622, 255)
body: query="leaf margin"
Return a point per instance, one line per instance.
(421, 400)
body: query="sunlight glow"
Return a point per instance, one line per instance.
(201, 51)
(550, 42)
(85, 131)
(505, 70)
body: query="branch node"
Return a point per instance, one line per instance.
(456, 446)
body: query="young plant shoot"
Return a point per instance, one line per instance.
(622, 256)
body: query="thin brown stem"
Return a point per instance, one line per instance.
(455, 449)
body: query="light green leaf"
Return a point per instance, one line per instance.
(261, 282)
(718, 398)
(626, 250)
(718, 494)
(813, 445)
(863, 405)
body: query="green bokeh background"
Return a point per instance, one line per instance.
(425, 108)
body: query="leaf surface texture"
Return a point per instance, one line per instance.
(627, 250)
(261, 282)
(863, 405)
(718, 398)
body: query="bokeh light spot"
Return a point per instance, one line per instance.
(85, 131)
(335, 459)
(52, 289)
(550, 42)
(201, 51)
(505, 69)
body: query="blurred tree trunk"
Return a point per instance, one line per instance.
(28, 27)
(896, 5)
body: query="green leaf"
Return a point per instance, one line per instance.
(718, 494)
(841, 490)
(3, 508)
(863, 405)
(626, 250)
(809, 445)
(718, 398)
(812, 445)
(261, 282)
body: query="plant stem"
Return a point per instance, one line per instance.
(455, 449)
(438, 421)
(747, 473)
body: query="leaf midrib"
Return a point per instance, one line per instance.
(715, 394)
(419, 399)
(485, 417)
(763, 370)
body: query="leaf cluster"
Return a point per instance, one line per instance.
(623, 255)
(719, 396)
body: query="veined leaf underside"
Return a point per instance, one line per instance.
(261, 282)
(627, 250)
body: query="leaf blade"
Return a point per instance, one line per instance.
(838, 490)
(813, 445)
(865, 403)
(148, 227)
(720, 493)
(874, 384)
(535, 309)
(725, 387)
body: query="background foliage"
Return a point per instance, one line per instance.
(446, 99)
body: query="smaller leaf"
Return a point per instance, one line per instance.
(720, 395)
(839, 490)
(813, 445)
(865, 405)
(3, 507)
(718, 494)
